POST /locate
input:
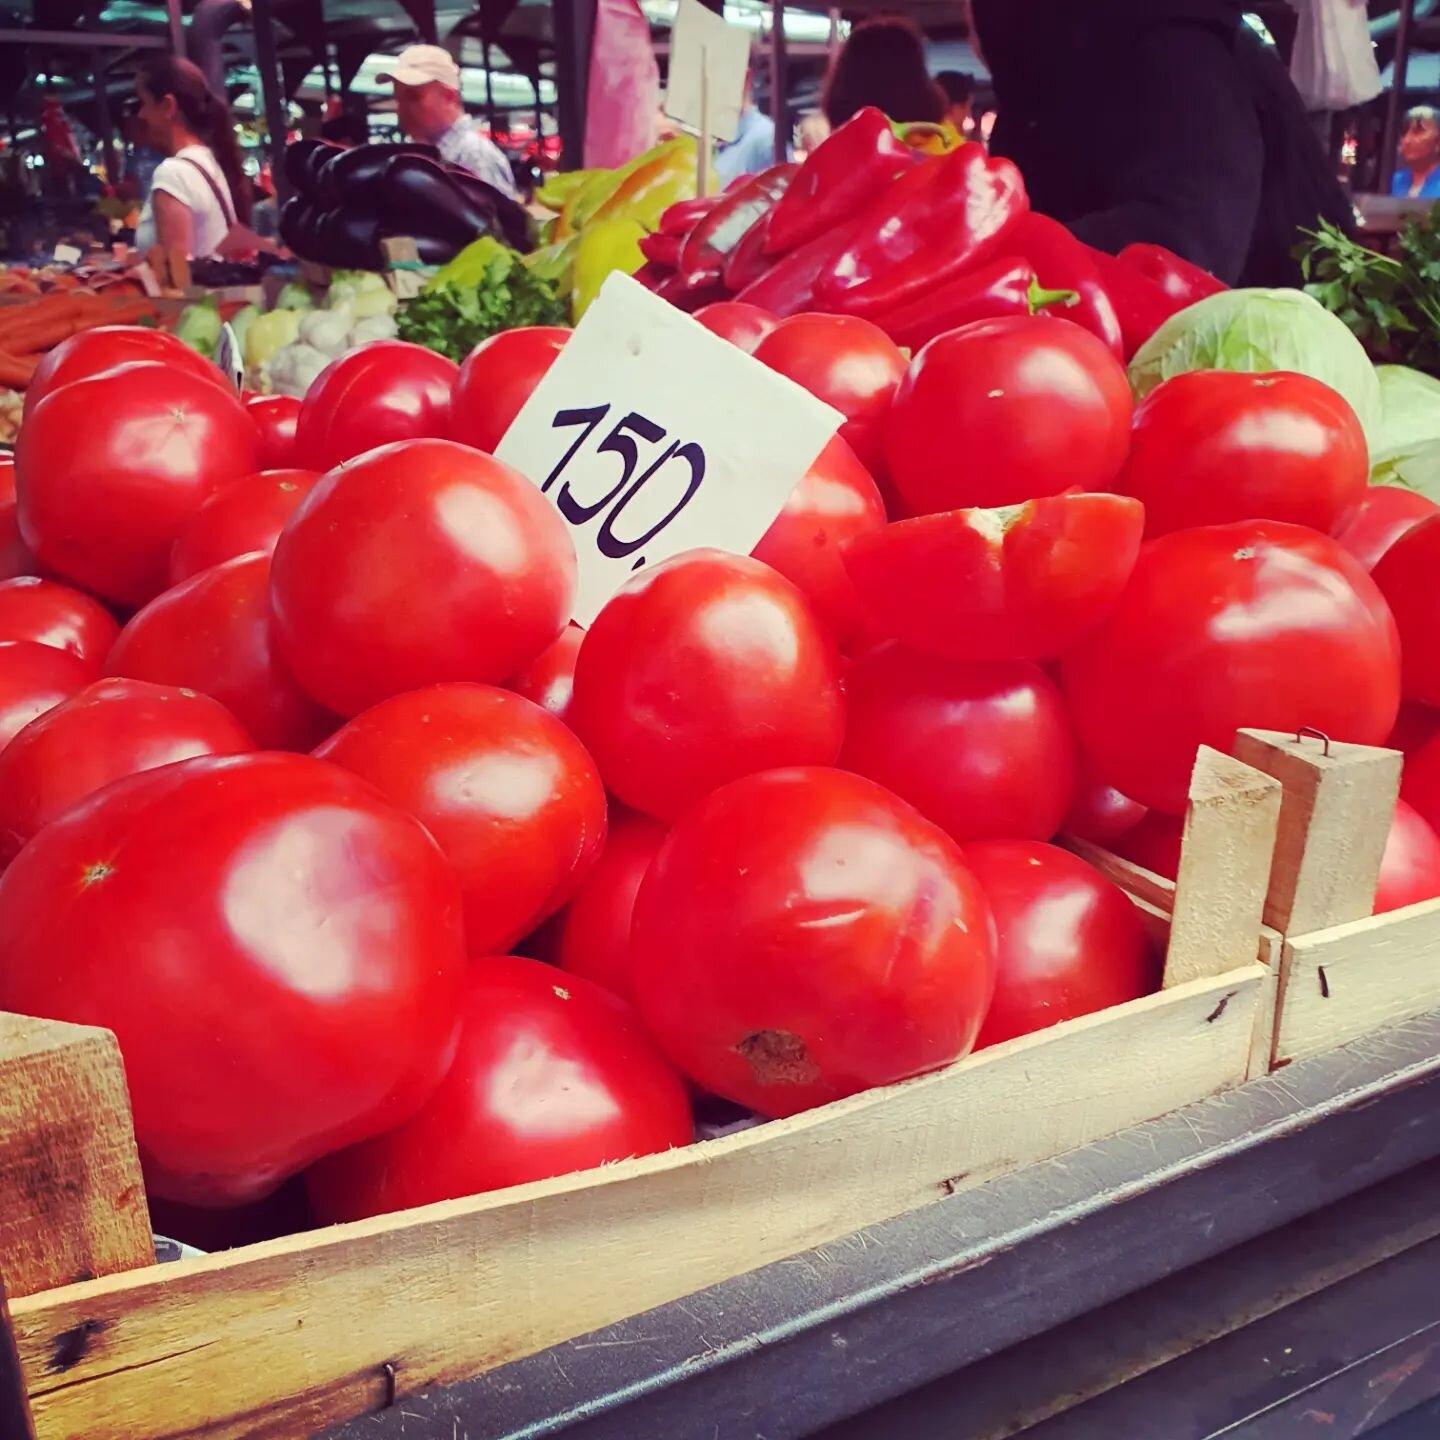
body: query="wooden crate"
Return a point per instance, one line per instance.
(282, 1338)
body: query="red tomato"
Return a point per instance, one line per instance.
(92, 352)
(984, 751)
(493, 562)
(742, 324)
(33, 679)
(552, 1075)
(53, 614)
(15, 556)
(834, 502)
(591, 936)
(245, 516)
(1420, 782)
(1252, 624)
(1022, 583)
(212, 633)
(705, 668)
(108, 730)
(1099, 813)
(1001, 411)
(277, 950)
(374, 396)
(507, 791)
(846, 361)
(1406, 575)
(1410, 869)
(1154, 843)
(1414, 725)
(112, 468)
(803, 935)
(1217, 445)
(1068, 941)
(549, 679)
(1386, 513)
(496, 380)
(276, 418)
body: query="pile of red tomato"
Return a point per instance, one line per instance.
(388, 877)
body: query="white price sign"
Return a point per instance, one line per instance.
(227, 356)
(652, 436)
(708, 62)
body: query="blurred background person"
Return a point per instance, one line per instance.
(959, 91)
(1419, 174)
(883, 64)
(753, 148)
(811, 133)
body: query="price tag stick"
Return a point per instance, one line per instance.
(702, 162)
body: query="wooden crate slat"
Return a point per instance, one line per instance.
(285, 1337)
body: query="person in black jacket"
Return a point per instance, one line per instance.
(1166, 121)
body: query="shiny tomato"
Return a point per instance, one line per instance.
(802, 935)
(245, 516)
(508, 792)
(1420, 781)
(493, 559)
(1068, 941)
(1410, 869)
(1099, 813)
(742, 324)
(33, 679)
(1414, 725)
(15, 556)
(277, 950)
(373, 396)
(552, 1075)
(985, 751)
(1407, 576)
(110, 469)
(835, 501)
(1001, 411)
(1386, 513)
(104, 732)
(212, 633)
(496, 380)
(549, 679)
(53, 614)
(276, 418)
(1153, 843)
(1021, 583)
(1252, 624)
(1217, 445)
(92, 352)
(705, 668)
(845, 361)
(591, 935)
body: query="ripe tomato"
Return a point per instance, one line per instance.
(835, 501)
(1406, 575)
(1001, 411)
(33, 679)
(742, 324)
(373, 396)
(1154, 843)
(15, 556)
(1021, 583)
(1251, 624)
(212, 633)
(984, 751)
(1414, 725)
(108, 730)
(705, 668)
(551, 1075)
(1386, 513)
(497, 564)
(549, 679)
(591, 935)
(92, 352)
(277, 950)
(1099, 813)
(802, 935)
(110, 469)
(53, 614)
(1217, 445)
(845, 361)
(276, 418)
(496, 380)
(1410, 869)
(245, 516)
(507, 791)
(1068, 941)
(1420, 782)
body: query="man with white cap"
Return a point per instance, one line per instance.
(427, 102)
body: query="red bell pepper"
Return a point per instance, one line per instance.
(719, 231)
(950, 213)
(788, 286)
(1141, 306)
(1183, 282)
(748, 261)
(846, 171)
(687, 297)
(1064, 263)
(662, 249)
(652, 276)
(682, 217)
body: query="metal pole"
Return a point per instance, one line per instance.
(574, 22)
(105, 124)
(272, 90)
(779, 91)
(1390, 135)
(177, 26)
(489, 83)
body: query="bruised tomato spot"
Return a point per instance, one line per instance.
(778, 1058)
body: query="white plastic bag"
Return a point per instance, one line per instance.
(1334, 65)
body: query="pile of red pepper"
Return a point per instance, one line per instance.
(916, 243)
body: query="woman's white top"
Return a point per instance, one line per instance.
(177, 177)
